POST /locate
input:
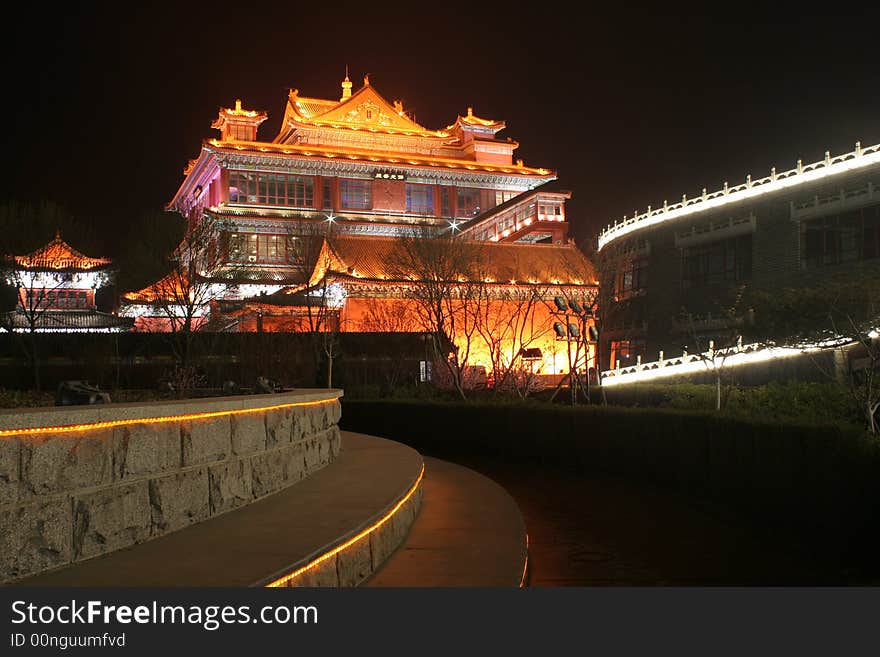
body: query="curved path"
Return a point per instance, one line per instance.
(251, 545)
(469, 533)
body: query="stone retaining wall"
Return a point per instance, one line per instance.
(69, 495)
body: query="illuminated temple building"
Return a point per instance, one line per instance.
(361, 168)
(56, 286)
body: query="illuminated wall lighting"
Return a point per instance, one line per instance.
(109, 424)
(283, 581)
(802, 174)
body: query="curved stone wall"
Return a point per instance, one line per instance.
(78, 482)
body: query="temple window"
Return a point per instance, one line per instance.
(356, 194)
(250, 247)
(271, 189)
(502, 197)
(445, 202)
(468, 201)
(420, 199)
(327, 194)
(241, 132)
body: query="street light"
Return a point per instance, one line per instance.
(572, 326)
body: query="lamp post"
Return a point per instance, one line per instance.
(578, 332)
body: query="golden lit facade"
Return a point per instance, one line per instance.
(367, 164)
(362, 172)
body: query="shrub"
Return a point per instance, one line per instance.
(796, 473)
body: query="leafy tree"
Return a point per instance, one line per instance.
(842, 315)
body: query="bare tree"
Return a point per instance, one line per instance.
(311, 254)
(199, 272)
(395, 317)
(443, 282)
(23, 228)
(716, 337)
(508, 325)
(35, 293)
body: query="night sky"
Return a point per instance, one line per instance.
(105, 105)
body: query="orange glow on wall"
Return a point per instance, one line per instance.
(537, 333)
(283, 581)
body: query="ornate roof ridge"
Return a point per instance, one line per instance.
(369, 110)
(384, 157)
(58, 254)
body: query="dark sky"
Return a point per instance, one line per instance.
(104, 105)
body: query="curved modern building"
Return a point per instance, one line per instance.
(674, 271)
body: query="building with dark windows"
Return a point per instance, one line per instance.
(675, 272)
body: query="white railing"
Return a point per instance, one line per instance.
(803, 173)
(685, 364)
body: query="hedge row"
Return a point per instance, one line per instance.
(826, 479)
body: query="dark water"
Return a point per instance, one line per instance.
(595, 531)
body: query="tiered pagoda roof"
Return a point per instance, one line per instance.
(65, 321)
(374, 258)
(357, 155)
(58, 255)
(363, 110)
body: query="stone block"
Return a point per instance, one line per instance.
(389, 536)
(110, 519)
(295, 463)
(334, 412)
(270, 471)
(178, 500)
(206, 441)
(334, 441)
(231, 485)
(10, 469)
(248, 433)
(34, 537)
(279, 427)
(317, 450)
(54, 463)
(354, 564)
(147, 449)
(320, 416)
(302, 423)
(324, 574)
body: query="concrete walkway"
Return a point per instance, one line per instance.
(250, 544)
(469, 533)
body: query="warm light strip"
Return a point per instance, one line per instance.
(373, 156)
(522, 580)
(857, 159)
(366, 532)
(109, 424)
